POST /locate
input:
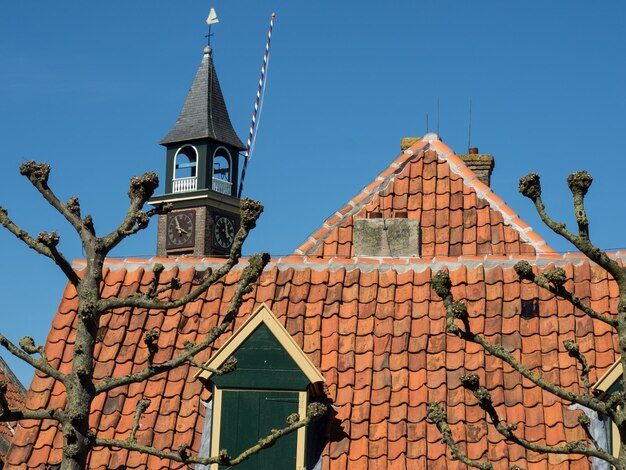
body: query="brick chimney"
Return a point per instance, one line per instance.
(480, 163)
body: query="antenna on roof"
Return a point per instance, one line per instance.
(469, 126)
(211, 20)
(258, 106)
(438, 116)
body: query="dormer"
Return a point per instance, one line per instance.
(272, 380)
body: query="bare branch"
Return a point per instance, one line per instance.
(150, 338)
(471, 382)
(250, 212)
(579, 183)
(6, 414)
(174, 284)
(17, 415)
(139, 191)
(437, 414)
(142, 220)
(80, 389)
(142, 406)
(574, 351)
(73, 205)
(40, 364)
(457, 310)
(314, 412)
(88, 221)
(153, 303)
(157, 271)
(530, 187)
(553, 281)
(250, 274)
(45, 244)
(229, 366)
(585, 422)
(37, 174)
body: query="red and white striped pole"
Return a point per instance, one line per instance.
(257, 101)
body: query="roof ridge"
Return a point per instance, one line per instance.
(437, 262)
(457, 166)
(132, 264)
(361, 263)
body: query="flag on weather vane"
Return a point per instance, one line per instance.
(212, 18)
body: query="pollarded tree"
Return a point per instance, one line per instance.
(553, 281)
(80, 385)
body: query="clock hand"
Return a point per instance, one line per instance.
(179, 229)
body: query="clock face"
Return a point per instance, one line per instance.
(224, 232)
(181, 228)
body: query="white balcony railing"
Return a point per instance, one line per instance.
(185, 184)
(222, 186)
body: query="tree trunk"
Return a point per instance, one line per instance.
(75, 428)
(80, 387)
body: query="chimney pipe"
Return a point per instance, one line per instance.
(480, 163)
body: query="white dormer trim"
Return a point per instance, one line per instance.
(263, 315)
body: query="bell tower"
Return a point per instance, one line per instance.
(201, 176)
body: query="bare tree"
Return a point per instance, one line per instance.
(80, 386)
(553, 281)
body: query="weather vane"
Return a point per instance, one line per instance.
(211, 20)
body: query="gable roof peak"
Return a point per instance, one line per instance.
(430, 183)
(430, 136)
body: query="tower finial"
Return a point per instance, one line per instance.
(211, 20)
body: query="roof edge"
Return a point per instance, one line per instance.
(364, 197)
(511, 218)
(12, 377)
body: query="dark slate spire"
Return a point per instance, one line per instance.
(204, 114)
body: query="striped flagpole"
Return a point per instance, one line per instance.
(257, 102)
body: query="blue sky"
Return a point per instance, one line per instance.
(91, 87)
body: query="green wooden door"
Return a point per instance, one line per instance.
(248, 416)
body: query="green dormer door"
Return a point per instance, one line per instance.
(251, 415)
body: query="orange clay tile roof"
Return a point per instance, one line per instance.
(458, 214)
(375, 330)
(15, 398)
